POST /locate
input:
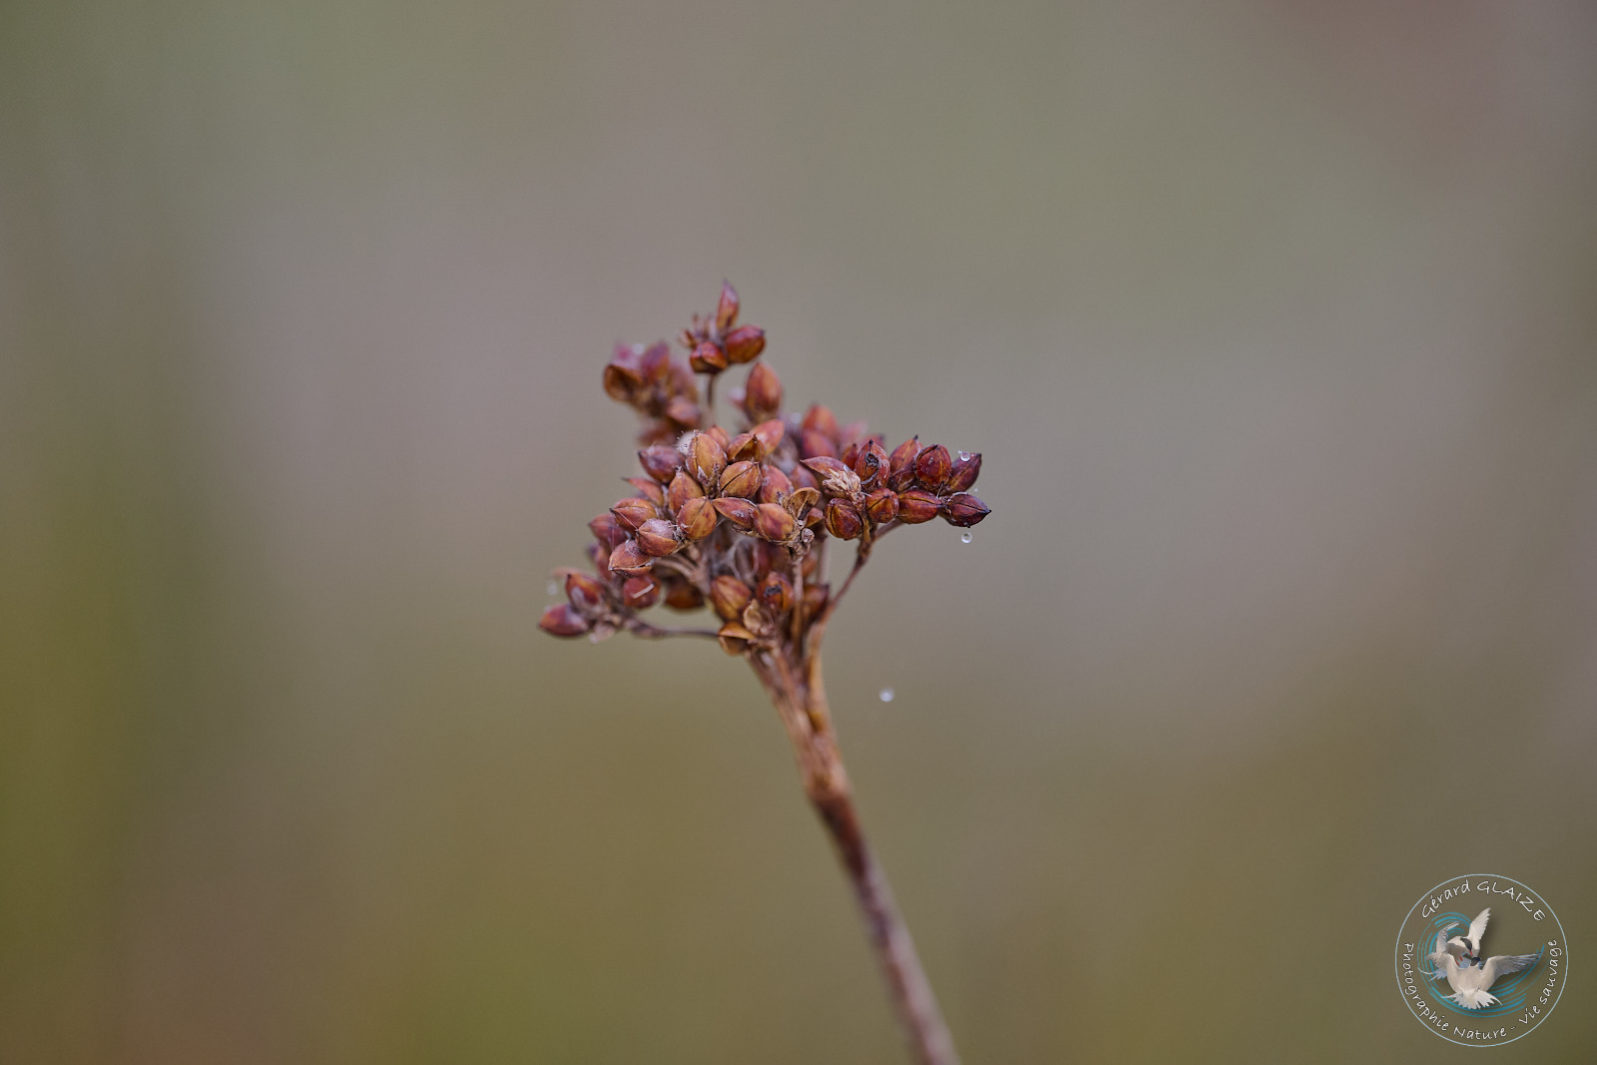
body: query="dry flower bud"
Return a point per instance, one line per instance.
(965, 510)
(881, 506)
(562, 620)
(814, 443)
(819, 419)
(648, 488)
(772, 522)
(901, 464)
(744, 343)
(726, 311)
(660, 462)
(683, 595)
(706, 459)
(932, 467)
(734, 638)
(843, 520)
(628, 558)
(681, 489)
(742, 479)
(776, 592)
(768, 436)
(917, 505)
(640, 593)
(762, 393)
(631, 513)
(728, 597)
(707, 358)
(775, 486)
(697, 518)
(657, 537)
(584, 593)
(967, 467)
(740, 512)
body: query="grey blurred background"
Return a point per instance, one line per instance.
(1275, 324)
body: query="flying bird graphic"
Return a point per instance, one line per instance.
(1457, 960)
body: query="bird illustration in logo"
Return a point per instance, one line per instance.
(1457, 959)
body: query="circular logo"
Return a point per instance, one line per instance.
(1481, 959)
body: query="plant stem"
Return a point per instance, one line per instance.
(803, 709)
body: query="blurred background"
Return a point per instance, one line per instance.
(1275, 324)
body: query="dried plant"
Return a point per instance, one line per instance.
(742, 521)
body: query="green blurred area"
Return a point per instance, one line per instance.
(1274, 325)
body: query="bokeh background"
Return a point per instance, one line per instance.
(1275, 323)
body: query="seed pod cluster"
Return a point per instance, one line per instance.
(739, 519)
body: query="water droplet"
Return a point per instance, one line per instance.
(553, 587)
(964, 456)
(886, 695)
(966, 537)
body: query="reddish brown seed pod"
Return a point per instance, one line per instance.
(708, 358)
(775, 486)
(697, 518)
(743, 448)
(718, 434)
(964, 510)
(628, 559)
(803, 478)
(762, 393)
(607, 530)
(768, 436)
(872, 465)
(801, 499)
(647, 488)
(681, 595)
(901, 464)
(932, 467)
(734, 638)
(660, 462)
(621, 382)
(917, 505)
(744, 343)
(562, 620)
(655, 362)
(772, 522)
(631, 513)
(584, 593)
(819, 419)
(814, 443)
(881, 506)
(641, 592)
(843, 520)
(776, 593)
(967, 467)
(683, 412)
(740, 512)
(726, 309)
(658, 538)
(728, 597)
(706, 459)
(681, 489)
(742, 479)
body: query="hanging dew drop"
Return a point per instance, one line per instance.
(966, 537)
(964, 456)
(886, 695)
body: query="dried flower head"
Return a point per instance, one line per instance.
(742, 518)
